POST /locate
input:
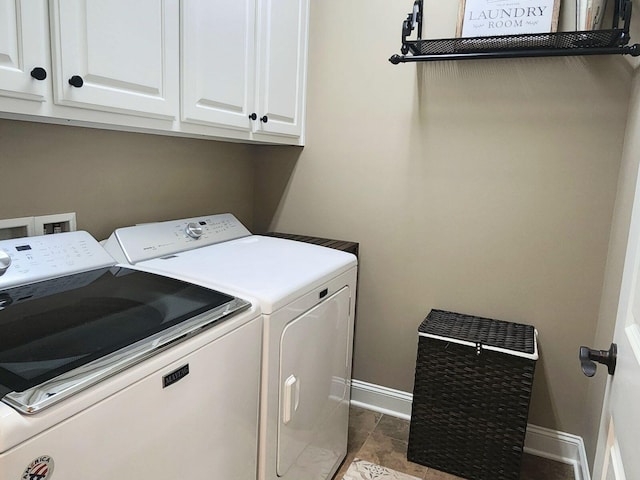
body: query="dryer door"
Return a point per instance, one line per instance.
(314, 399)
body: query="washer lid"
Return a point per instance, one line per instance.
(65, 334)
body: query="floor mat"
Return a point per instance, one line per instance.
(363, 470)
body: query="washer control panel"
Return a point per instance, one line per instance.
(153, 240)
(31, 259)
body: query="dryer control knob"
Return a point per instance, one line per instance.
(5, 262)
(194, 230)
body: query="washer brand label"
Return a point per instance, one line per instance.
(40, 469)
(174, 376)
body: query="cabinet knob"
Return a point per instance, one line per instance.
(264, 119)
(253, 116)
(39, 73)
(76, 81)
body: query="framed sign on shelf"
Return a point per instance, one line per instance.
(485, 18)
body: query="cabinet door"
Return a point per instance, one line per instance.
(24, 45)
(283, 32)
(121, 55)
(218, 57)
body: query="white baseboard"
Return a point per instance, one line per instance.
(542, 442)
(559, 446)
(381, 399)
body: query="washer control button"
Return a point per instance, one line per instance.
(194, 230)
(5, 262)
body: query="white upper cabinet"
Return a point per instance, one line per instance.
(218, 56)
(229, 69)
(24, 50)
(282, 61)
(117, 55)
(244, 66)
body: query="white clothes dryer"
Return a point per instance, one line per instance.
(307, 297)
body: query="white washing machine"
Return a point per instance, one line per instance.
(307, 296)
(108, 372)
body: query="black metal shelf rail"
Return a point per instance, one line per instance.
(593, 42)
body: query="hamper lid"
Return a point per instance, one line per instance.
(507, 337)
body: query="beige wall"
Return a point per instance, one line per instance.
(112, 179)
(485, 187)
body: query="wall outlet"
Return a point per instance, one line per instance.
(17, 228)
(58, 223)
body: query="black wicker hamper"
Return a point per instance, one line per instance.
(471, 395)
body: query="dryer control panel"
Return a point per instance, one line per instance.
(154, 240)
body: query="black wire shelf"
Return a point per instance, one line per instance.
(592, 42)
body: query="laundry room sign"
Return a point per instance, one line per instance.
(483, 18)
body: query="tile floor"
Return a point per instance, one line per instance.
(383, 440)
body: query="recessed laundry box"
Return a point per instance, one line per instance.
(471, 395)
